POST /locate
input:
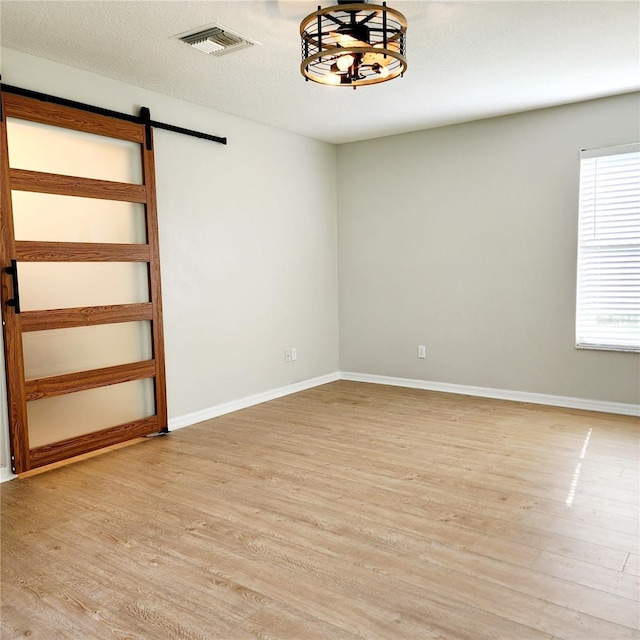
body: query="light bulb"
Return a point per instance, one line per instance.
(344, 62)
(332, 78)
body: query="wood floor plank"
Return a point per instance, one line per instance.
(607, 580)
(632, 565)
(284, 621)
(624, 524)
(346, 511)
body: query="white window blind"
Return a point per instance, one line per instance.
(608, 292)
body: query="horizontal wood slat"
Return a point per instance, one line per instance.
(31, 251)
(64, 449)
(38, 182)
(76, 119)
(45, 319)
(83, 380)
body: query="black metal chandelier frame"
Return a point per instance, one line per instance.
(353, 44)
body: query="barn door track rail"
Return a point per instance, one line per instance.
(144, 117)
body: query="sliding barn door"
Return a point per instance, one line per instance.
(81, 303)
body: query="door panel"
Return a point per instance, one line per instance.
(58, 351)
(78, 229)
(37, 147)
(57, 285)
(76, 414)
(57, 218)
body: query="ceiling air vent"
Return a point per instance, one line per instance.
(216, 40)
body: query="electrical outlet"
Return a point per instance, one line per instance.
(294, 353)
(422, 351)
(287, 355)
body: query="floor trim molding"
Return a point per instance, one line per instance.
(499, 394)
(249, 401)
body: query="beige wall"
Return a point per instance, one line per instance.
(248, 249)
(464, 239)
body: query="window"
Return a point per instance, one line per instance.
(608, 292)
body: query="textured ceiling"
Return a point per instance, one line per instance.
(467, 60)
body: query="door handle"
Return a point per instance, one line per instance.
(13, 272)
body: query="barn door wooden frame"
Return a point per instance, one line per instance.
(19, 390)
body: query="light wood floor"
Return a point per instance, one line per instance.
(346, 511)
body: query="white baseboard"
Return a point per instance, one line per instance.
(242, 403)
(500, 394)
(483, 392)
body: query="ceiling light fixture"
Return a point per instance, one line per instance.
(353, 44)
